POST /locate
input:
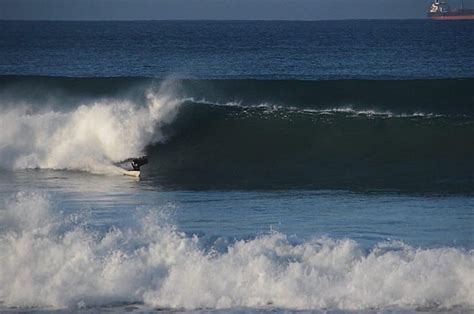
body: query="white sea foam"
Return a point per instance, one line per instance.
(371, 112)
(348, 110)
(51, 260)
(91, 137)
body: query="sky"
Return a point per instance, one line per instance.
(214, 9)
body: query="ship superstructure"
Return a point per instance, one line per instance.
(440, 10)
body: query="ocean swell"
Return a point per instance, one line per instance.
(50, 260)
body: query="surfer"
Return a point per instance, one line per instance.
(136, 163)
(131, 166)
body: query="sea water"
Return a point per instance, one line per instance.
(293, 166)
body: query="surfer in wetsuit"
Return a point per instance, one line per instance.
(138, 162)
(135, 165)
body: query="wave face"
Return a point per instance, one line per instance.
(57, 261)
(409, 135)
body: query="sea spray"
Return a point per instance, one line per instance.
(48, 259)
(89, 137)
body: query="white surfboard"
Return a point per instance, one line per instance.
(131, 167)
(132, 173)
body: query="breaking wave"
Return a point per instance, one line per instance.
(246, 133)
(51, 260)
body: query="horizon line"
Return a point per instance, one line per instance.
(213, 20)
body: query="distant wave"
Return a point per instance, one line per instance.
(52, 260)
(263, 133)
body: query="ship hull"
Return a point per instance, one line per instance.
(452, 17)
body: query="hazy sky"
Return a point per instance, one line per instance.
(214, 9)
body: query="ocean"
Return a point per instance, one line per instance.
(321, 166)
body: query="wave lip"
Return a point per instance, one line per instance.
(52, 260)
(438, 96)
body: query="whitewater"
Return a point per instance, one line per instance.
(55, 261)
(91, 137)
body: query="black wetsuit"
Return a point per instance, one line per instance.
(135, 165)
(138, 162)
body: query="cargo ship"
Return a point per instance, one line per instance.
(440, 10)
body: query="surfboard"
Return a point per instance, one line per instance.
(132, 173)
(131, 167)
